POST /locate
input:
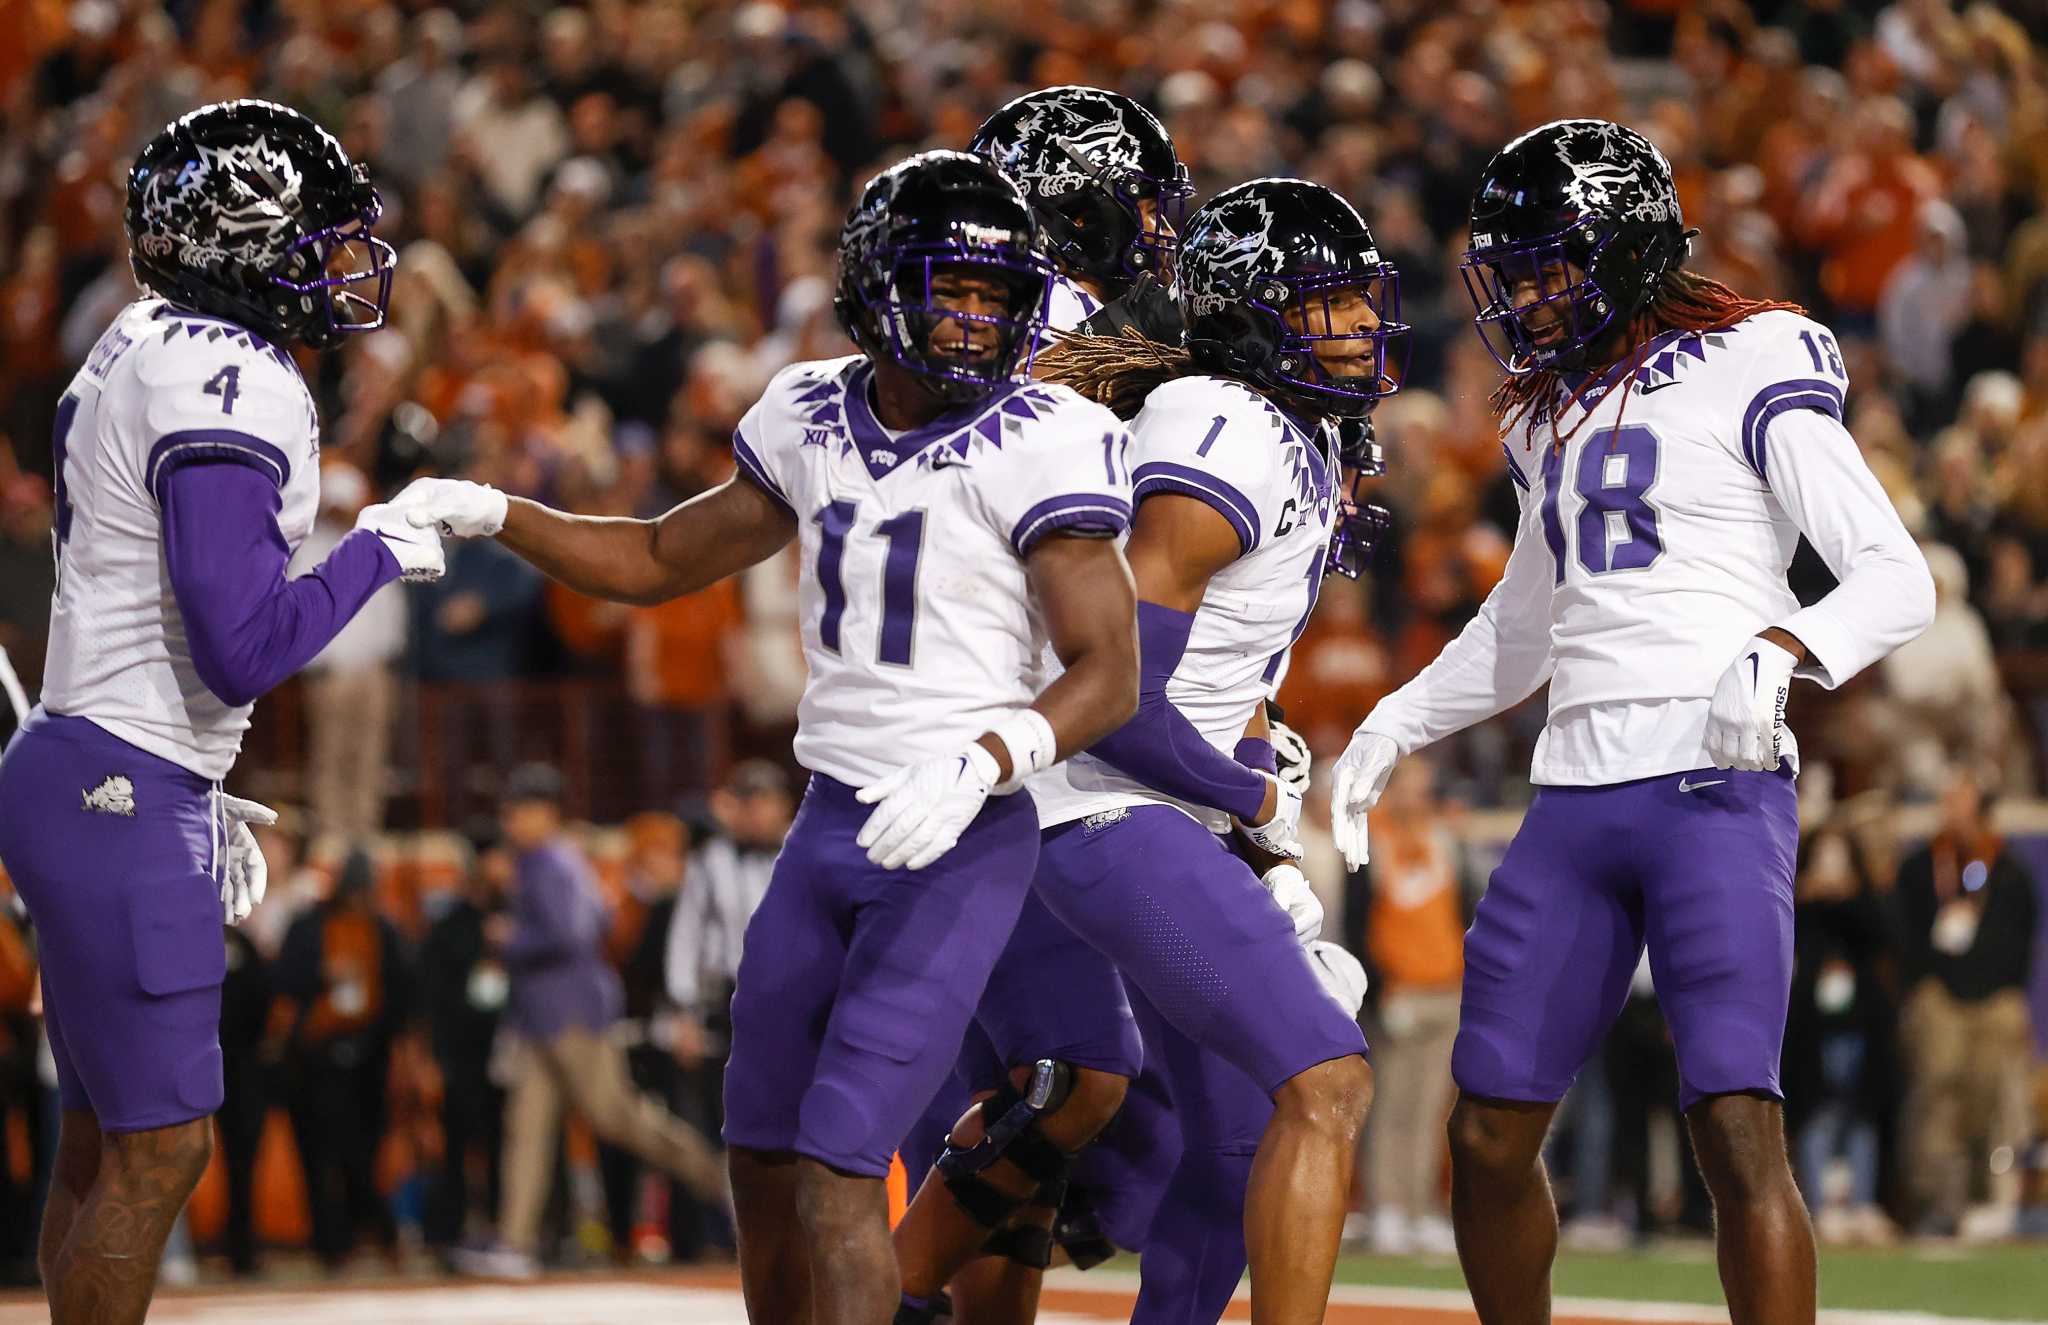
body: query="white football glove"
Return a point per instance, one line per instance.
(457, 507)
(1360, 776)
(1342, 975)
(1746, 721)
(418, 550)
(925, 807)
(1281, 834)
(1292, 753)
(1290, 888)
(247, 876)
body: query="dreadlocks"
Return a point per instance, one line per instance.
(1118, 371)
(1685, 301)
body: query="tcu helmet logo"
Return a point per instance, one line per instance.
(115, 795)
(1221, 262)
(1070, 147)
(1605, 185)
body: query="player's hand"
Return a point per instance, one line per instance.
(247, 877)
(1290, 888)
(418, 550)
(457, 507)
(1356, 783)
(1279, 833)
(925, 807)
(1290, 750)
(1342, 975)
(1746, 721)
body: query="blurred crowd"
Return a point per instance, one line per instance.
(616, 220)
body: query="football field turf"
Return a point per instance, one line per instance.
(1670, 1286)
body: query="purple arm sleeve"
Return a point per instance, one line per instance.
(1159, 746)
(1254, 752)
(248, 627)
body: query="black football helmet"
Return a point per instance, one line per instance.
(933, 214)
(1087, 159)
(1585, 214)
(244, 209)
(1272, 250)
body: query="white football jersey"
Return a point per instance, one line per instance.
(1224, 444)
(918, 624)
(1653, 543)
(1069, 305)
(161, 385)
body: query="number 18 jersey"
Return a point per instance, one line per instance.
(918, 625)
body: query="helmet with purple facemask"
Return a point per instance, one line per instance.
(1090, 161)
(1574, 226)
(1274, 271)
(1361, 525)
(928, 223)
(250, 211)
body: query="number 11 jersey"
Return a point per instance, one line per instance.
(919, 629)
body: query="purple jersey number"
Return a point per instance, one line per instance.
(905, 534)
(60, 437)
(1618, 527)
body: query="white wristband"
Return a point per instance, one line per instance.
(1028, 739)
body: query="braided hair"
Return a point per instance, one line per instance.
(1117, 371)
(1684, 301)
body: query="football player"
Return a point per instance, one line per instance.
(1670, 441)
(187, 469)
(1291, 316)
(953, 521)
(1109, 192)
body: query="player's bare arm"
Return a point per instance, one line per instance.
(692, 546)
(1083, 588)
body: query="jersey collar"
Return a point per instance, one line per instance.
(956, 437)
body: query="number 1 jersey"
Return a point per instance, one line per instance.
(918, 625)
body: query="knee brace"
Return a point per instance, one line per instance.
(1077, 1229)
(1010, 1131)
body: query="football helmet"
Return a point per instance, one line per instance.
(1255, 254)
(250, 211)
(1087, 160)
(1586, 213)
(934, 214)
(1360, 524)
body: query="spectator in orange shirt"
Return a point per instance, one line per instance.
(1412, 899)
(677, 674)
(1864, 214)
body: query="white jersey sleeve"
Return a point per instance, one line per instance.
(1223, 445)
(1074, 476)
(162, 388)
(1498, 660)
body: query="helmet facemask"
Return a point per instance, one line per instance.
(936, 316)
(1360, 525)
(329, 264)
(1590, 279)
(1356, 311)
(1124, 227)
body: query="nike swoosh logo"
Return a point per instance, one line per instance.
(1683, 785)
(1752, 671)
(1645, 388)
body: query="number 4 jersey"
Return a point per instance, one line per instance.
(1653, 542)
(919, 628)
(163, 388)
